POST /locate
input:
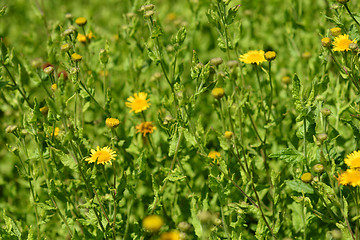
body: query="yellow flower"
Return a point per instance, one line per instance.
(173, 235)
(228, 134)
(218, 93)
(336, 31)
(81, 21)
(253, 57)
(90, 35)
(76, 57)
(270, 55)
(54, 87)
(138, 103)
(44, 110)
(306, 177)
(152, 223)
(350, 177)
(55, 132)
(326, 42)
(112, 122)
(215, 156)
(81, 38)
(145, 128)
(101, 155)
(342, 42)
(353, 159)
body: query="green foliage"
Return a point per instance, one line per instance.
(173, 158)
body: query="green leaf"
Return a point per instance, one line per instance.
(299, 186)
(194, 220)
(189, 137)
(174, 176)
(157, 31)
(3, 11)
(69, 162)
(172, 145)
(288, 155)
(231, 14)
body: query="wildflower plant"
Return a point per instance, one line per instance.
(110, 121)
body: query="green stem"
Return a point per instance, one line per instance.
(17, 86)
(352, 16)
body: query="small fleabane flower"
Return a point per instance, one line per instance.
(152, 223)
(336, 31)
(270, 55)
(138, 102)
(145, 128)
(353, 159)
(112, 122)
(101, 155)
(306, 177)
(76, 57)
(173, 235)
(218, 93)
(81, 21)
(81, 38)
(253, 57)
(342, 42)
(54, 87)
(228, 134)
(55, 132)
(326, 42)
(349, 177)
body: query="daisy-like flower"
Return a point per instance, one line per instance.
(56, 132)
(112, 122)
(350, 177)
(138, 102)
(253, 57)
(342, 42)
(145, 128)
(101, 155)
(152, 223)
(215, 156)
(353, 159)
(81, 38)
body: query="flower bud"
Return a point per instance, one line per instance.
(322, 137)
(270, 55)
(149, 7)
(336, 31)
(69, 16)
(103, 56)
(228, 134)
(81, 38)
(148, 14)
(44, 110)
(68, 32)
(233, 63)
(306, 177)
(81, 21)
(342, 1)
(318, 168)
(218, 93)
(112, 122)
(326, 42)
(54, 87)
(326, 112)
(152, 223)
(353, 46)
(216, 61)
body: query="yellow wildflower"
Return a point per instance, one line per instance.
(138, 102)
(101, 155)
(145, 128)
(342, 42)
(152, 223)
(253, 57)
(350, 177)
(112, 122)
(353, 159)
(81, 21)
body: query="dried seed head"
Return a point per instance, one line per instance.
(233, 63)
(322, 137)
(148, 14)
(69, 16)
(353, 46)
(342, 1)
(49, 70)
(65, 47)
(326, 112)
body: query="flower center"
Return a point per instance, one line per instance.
(102, 156)
(344, 43)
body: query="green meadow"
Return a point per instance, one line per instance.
(179, 120)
